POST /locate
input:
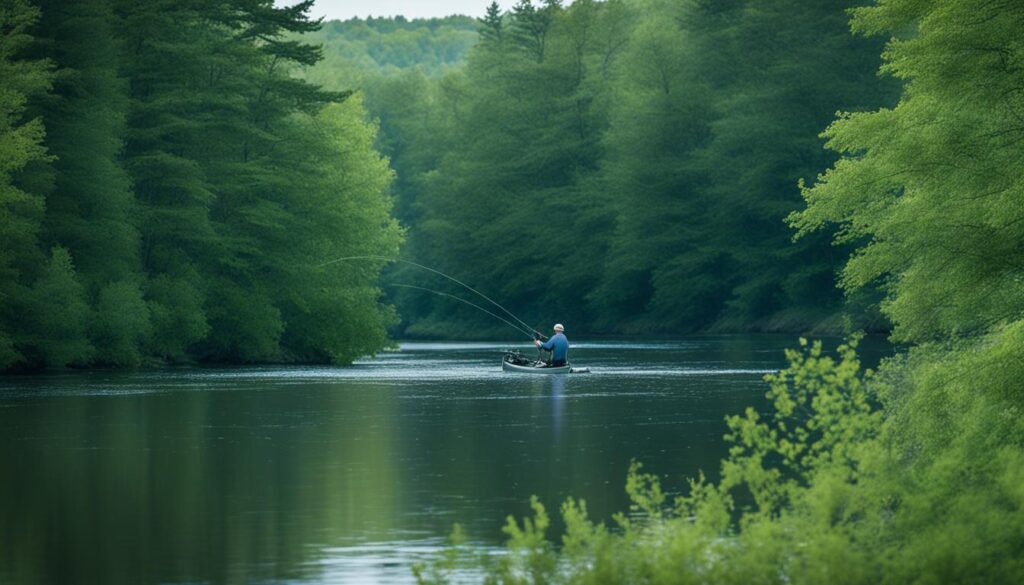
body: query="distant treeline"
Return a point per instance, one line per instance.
(168, 189)
(623, 166)
(391, 45)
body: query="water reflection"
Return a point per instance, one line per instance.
(557, 405)
(340, 475)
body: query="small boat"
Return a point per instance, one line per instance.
(517, 362)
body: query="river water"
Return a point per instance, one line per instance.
(345, 475)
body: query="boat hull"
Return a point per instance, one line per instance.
(534, 369)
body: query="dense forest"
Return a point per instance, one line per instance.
(624, 167)
(908, 474)
(178, 174)
(169, 190)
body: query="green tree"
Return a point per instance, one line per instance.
(176, 315)
(254, 191)
(218, 148)
(21, 145)
(60, 314)
(930, 184)
(661, 270)
(170, 49)
(492, 25)
(337, 316)
(121, 324)
(91, 209)
(531, 24)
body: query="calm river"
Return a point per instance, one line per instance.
(343, 475)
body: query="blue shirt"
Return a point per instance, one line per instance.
(558, 346)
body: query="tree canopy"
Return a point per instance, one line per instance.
(627, 166)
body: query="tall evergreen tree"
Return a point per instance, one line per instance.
(204, 149)
(21, 145)
(661, 271)
(531, 25)
(174, 58)
(91, 209)
(253, 216)
(492, 25)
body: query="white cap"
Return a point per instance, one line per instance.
(558, 327)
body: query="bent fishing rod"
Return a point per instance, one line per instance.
(531, 334)
(437, 272)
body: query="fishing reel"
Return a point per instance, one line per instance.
(538, 336)
(514, 357)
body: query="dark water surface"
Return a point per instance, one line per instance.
(343, 475)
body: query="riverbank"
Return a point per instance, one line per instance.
(795, 322)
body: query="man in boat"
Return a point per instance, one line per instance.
(558, 345)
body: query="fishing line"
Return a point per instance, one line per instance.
(461, 300)
(439, 273)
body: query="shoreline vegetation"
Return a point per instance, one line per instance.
(796, 324)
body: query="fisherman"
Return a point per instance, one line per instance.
(558, 345)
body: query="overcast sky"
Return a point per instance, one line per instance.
(345, 9)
